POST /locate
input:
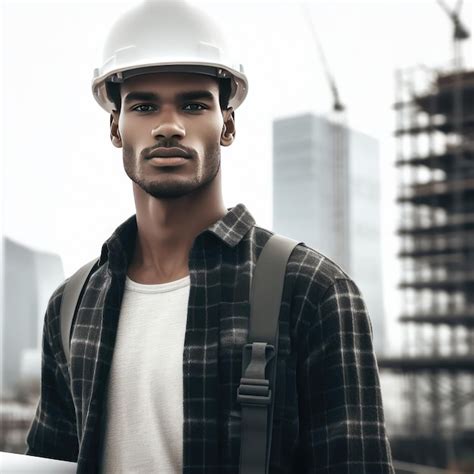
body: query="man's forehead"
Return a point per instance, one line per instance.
(172, 81)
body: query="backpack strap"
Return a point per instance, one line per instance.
(70, 299)
(255, 393)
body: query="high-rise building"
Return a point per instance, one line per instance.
(30, 278)
(326, 192)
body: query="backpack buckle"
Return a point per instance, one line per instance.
(254, 388)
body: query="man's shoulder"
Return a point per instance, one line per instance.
(316, 284)
(307, 265)
(54, 303)
(54, 308)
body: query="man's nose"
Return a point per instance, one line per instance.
(168, 124)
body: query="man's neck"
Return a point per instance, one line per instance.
(166, 233)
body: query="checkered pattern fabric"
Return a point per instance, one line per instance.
(328, 408)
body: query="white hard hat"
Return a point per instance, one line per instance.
(166, 35)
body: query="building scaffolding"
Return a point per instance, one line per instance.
(435, 163)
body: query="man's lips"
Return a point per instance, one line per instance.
(168, 152)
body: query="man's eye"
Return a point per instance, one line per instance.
(197, 105)
(142, 105)
(202, 107)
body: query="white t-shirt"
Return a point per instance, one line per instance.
(143, 417)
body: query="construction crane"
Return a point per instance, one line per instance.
(338, 106)
(460, 32)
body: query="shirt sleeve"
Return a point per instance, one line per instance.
(342, 427)
(52, 433)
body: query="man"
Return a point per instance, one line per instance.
(157, 339)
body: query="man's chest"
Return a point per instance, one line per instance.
(206, 326)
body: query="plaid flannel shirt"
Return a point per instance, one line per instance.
(328, 414)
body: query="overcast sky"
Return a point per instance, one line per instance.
(64, 189)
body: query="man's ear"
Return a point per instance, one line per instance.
(228, 129)
(114, 131)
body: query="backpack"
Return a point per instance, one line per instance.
(259, 355)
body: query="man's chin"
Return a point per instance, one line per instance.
(171, 192)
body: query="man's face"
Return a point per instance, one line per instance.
(167, 119)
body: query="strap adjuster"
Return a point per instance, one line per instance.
(254, 392)
(254, 388)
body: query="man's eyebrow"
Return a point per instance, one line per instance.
(152, 96)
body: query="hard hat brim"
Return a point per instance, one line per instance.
(239, 83)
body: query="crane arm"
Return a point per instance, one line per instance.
(337, 104)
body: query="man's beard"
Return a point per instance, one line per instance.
(171, 188)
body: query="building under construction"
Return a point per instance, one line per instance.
(435, 162)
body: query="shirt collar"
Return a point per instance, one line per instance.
(230, 229)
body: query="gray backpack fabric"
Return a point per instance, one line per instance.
(259, 355)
